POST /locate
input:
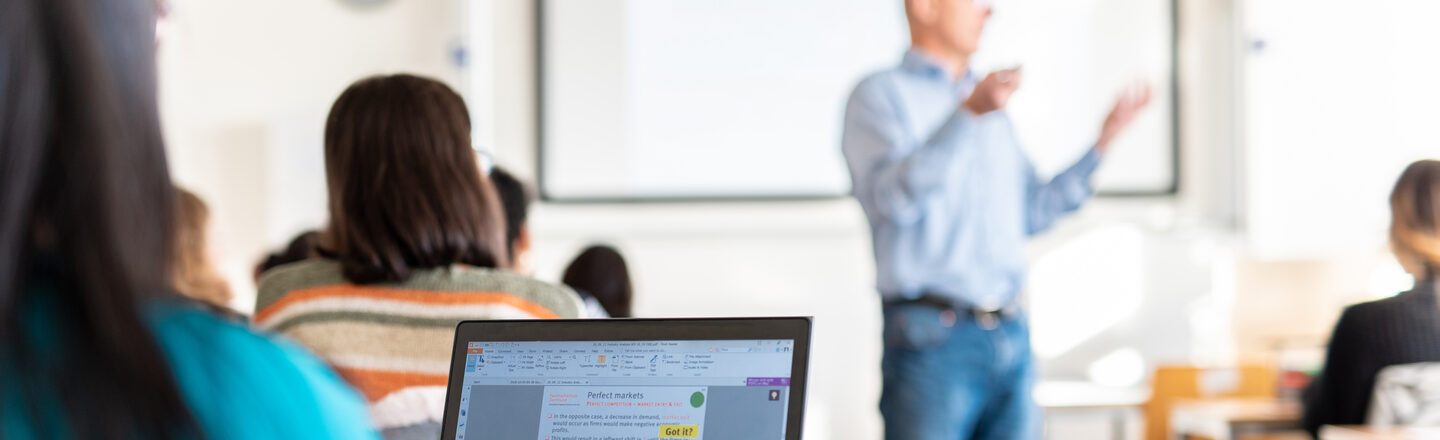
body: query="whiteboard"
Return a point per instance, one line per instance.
(696, 99)
(1325, 137)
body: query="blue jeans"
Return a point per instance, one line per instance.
(949, 377)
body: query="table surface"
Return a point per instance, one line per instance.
(1239, 410)
(1371, 433)
(1088, 395)
(1219, 418)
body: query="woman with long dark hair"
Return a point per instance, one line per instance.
(415, 243)
(93, 341)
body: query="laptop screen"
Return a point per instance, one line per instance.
(600, 390)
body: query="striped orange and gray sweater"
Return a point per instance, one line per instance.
(392, 341)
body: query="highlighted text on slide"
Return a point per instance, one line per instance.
(622, 412)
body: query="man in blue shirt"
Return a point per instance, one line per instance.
(951, 200)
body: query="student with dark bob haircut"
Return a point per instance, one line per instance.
(93, 341)
(300, 248)
(415, 243)
(600, 272)
(404, 189)
(515, 200)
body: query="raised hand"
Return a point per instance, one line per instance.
(993, 92)
(1131, 101)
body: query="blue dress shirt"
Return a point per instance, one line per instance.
(950, 196)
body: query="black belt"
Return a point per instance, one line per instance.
(986, 318)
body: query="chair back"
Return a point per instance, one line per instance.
(1406, 395)
(1188, 382)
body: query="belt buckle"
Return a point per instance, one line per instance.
(986, 319)
(948, 318)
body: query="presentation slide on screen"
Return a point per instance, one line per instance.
(622, 413)
(626, 390)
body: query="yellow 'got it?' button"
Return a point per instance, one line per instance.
(679, 431)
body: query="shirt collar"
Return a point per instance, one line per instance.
(918, 62)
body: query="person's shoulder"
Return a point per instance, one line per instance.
(558, 298)
(561, 300)
(593, 308)
(240, 384)
(195, 337)
(1395, 309)
(877, 82)
(314, 270)
(875, 91)
(1366, 312)
(276, 282)
(883, 75)
(1403, 300)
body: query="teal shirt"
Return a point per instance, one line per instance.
(238, 384)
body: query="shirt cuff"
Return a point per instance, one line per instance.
(1087, 164)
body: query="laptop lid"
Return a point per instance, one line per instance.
(708, 378)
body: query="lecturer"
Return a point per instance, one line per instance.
(951, 200)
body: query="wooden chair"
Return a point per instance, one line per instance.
(1172, 383)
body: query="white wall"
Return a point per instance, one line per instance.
(1326, 154)
(245, 87)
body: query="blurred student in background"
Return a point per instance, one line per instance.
(1403, 329)
(192, 267)
(300, 248)
(951, 200)
(515, 199)
(415, 243)
(600, 275)
(93, 341)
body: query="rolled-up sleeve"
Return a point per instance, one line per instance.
(890, 171)
(1047, 201)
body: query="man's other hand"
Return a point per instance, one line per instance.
(1133, 99)
(993, 92)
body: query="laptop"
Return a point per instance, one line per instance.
(716, 379)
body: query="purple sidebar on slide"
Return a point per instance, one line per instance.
(767, 382)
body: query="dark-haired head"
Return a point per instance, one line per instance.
(84, 214)
(601, 272)
(301, 247)
(1415, 219)
(515, 197)
(405, 191)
